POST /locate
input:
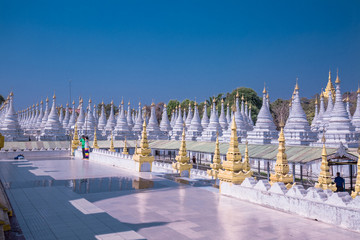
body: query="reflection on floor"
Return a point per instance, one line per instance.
(76, 199)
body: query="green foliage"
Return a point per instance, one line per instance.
(172, 104)
(249, 95)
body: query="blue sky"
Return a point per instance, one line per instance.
(163, 50)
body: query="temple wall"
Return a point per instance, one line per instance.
(124, 161)
(43, 153)
(334, 208)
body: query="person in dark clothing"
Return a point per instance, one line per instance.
(194, 159)
(82, 140)
(340, 183)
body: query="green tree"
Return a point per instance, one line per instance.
(172, 104)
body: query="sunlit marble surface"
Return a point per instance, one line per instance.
(76, 199)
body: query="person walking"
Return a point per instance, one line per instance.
(82, 140)
(87, 148)
(340, 183)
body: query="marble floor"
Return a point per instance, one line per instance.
(76, 199)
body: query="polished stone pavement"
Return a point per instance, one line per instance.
(76, 199)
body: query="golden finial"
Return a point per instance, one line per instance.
(75, 142)
(102, 102)
(246, 103)
(250, 105)
(139, 103)
(152, 104)
(112, 102)
(95, 143)
(216, 165)
(237, 94)
(122, 101)
(316, 100)
(267, 95)
(54, 96)
(324, 180)
(125, 151)
(67, 104)
(129, 103)
(73, 102)
(164, 105)
(264, 91)
(47, 99)
(329, 75)
(213, 99)
(112, 149)
(296, 85)
(11, 94)
(337, 77)
(41, 102)
(89, 100)
(33, 105)
(242, 97)
(358, 91)
(347, 98)
(37, 104)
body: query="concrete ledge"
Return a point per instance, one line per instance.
(334, 208)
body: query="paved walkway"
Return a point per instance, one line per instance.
(76, 199)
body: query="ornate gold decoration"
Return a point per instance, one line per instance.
(216, 165)
(324, 180)
(182, 160)
(329, 87)
(95, 143)
(142, 154)
(112, 149)
(233, 167)
(281, 166)
(125, 151)
(75, 142)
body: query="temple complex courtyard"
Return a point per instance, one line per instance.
(65, 198)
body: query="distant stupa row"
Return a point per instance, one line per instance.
(335, 122)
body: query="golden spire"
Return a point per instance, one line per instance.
(67, 104)
(267, 96)
(47, 99)
(73, 102)
(324, 180)
(89, 100)
(296, 85)
(233, 166)
(337, 81)
(54, 96)
(122, 101)
(95, 143)
(182, 160)
(216, 165)
(316, 100)
(281, 166)
(242, 97)
(356, 192)
(250, 106)
(11, 94)
(41, 102)
(112, 102)
(144, 144)
(213, 100)
(75, 142)
(264, 91)
(112, 149)
(246, 164)
(329, 87)
(358, 91)
(129, 103)
(125, 151)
